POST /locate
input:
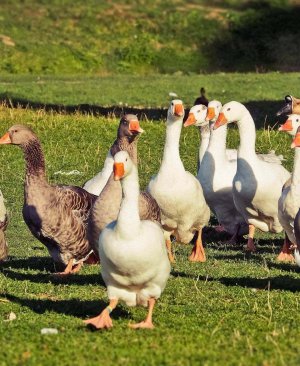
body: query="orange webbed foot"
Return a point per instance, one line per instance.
(142, 325)
(102, 321)
(197, 255)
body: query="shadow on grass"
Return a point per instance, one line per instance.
(33, 263)
(76, 279)
(72, 307)
(286, 283)
(258, 109)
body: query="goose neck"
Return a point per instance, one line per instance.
(205, 135)
(296, 169)
(128, 220)
(171, 149)
(34, 158)
(128, 144)
(247, 133)
(217, 142)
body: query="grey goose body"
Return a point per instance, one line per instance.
(107, 205)
(56, 215)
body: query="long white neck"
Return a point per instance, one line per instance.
(128, 221)
(171, 157)
(217, 142)
(247, 137)
(205, 135)
(296, 169)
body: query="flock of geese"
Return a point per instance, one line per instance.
(130, 232)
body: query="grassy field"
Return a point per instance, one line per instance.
(122, 36)
(231, 310)
(262, 93)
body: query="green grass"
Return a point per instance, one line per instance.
(231, 310)
(98, 37)
(263, 93)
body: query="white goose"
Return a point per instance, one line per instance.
(177, 192)
(289, 202)
(96, 184)
(216, 172)
(257, 184)
(134, 261)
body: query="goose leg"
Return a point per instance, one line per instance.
(169, 250)
(147, 323)
(250, 247)
(103, 320)
(286, 251)
(233, 239)
(69, 269)
(198, 253)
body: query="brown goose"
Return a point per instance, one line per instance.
(55, 214)
(107, 205)
(3, 226)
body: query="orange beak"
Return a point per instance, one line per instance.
(191, 120)
(5, 139)
(220, 121)
(287, 126)
(296, 141)
(210, 113)
(134, 125)
(118, 171)
(179, 110)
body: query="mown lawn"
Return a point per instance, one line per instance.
(231, 310)
(262, 93)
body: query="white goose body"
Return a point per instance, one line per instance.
(134, 262)
(178, 192)
(217, 169)
(216, 175)
(96, 184)
(257, 184)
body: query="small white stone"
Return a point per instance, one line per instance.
(12, 316)
(49, 331)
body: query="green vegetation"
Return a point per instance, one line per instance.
(97, 37)
(262, 93)
(231, 310)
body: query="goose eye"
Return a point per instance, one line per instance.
(126, 159)
(297, 120)
(228, 109)
(198, 111)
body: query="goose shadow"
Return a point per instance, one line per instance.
(75, 279)
(285, 282)
(33, 263)
(71, 307)
(258, 109)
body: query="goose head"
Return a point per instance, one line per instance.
(18, 135)
(213, 110)
(123, 165)
(291, 124)
(292, 105)
(129, 126)
(175, 111)
(230, 112)
(197, 116)
(296, 141)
